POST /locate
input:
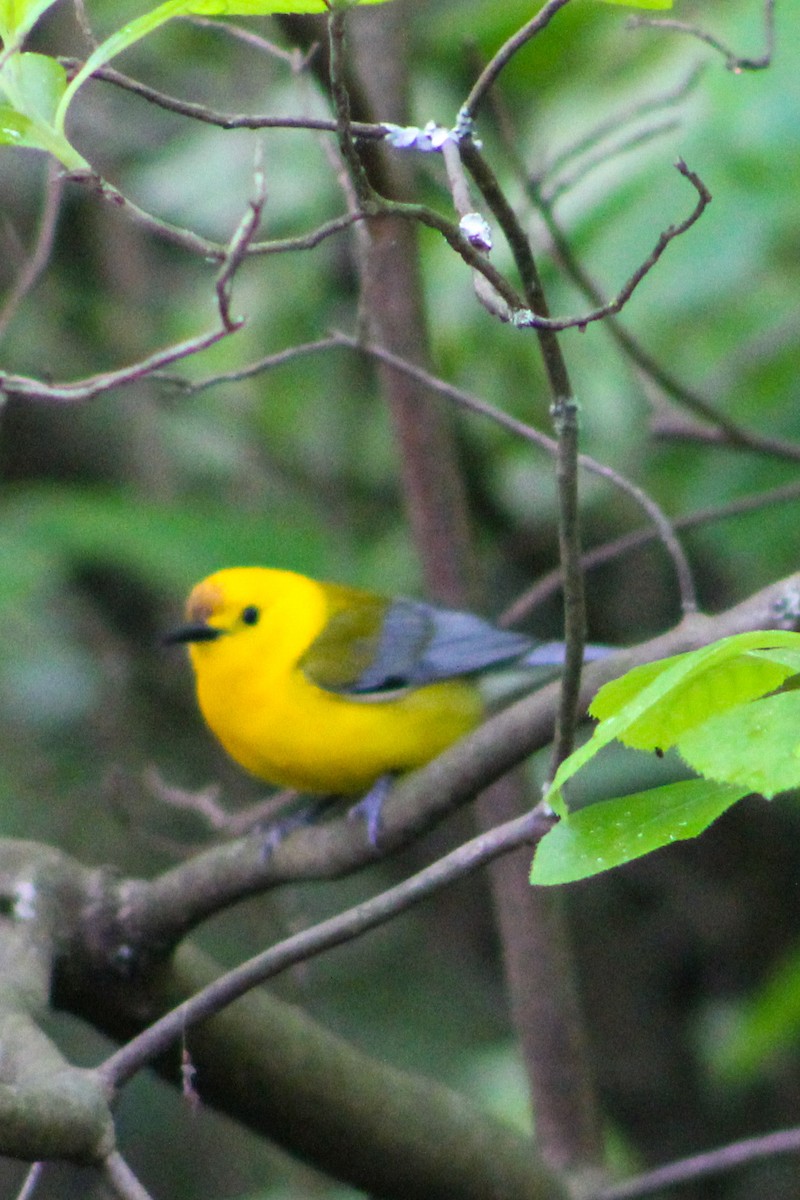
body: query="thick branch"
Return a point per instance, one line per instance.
(265, 1063)
(153, 916)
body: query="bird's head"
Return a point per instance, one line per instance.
(220, 605)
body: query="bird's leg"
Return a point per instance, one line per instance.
(275, 832)
(370, 806)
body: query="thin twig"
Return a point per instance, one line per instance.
(86, 389)
(530, 318)
(735, 435)
(210, 116)
(206, 807)
(663, 527)
(608, 127)
(122, 1180)
(547, 585)
(719, 434)
(733, 61)
(234, 255)
(626, 291)
(264, 364)
(295, 59)
(343, 927)
(194, 243)
(712, 1162)
(566, 181)
(564, 411)
(341, 102)
(31, 1182)
(43, 244)
(504, 55)
(84, 24)
(239, 246)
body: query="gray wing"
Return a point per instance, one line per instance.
(420, 644)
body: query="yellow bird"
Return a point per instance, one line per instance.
(327, 688)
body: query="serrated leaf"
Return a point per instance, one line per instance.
(613, 832)
(662, 682)
(721, 687)
(755, 745)
(619, 692)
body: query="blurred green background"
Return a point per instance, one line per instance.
(110, 510)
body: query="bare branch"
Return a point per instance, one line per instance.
(620, 123)
(728, 432)
(84, 24)
(205, 805)
(473, 404)
(205, 247)
(343, 927)
(210, 116)
(341, 100)
(712, 1162)
(504, 55)
(565, 181)
(627, 290)
(32, 1181)
(294, 58)
(29, 275)
(238, 248)
(264, 364)
(231, 259)
(94, 385)
(725, 430)
(122, 1180)
(733, 61)
(547, 585)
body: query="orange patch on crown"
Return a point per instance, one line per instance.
(204, 601)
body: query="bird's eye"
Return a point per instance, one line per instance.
(251, 614)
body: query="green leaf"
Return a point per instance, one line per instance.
(33, 84)
(14, 127)
(645, 709)
(691, 702)
(616, 831)
(755, 745)
(18, 17)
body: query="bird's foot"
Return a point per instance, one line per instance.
(370, 807)
(278, 830)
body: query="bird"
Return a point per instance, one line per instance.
(330, 689)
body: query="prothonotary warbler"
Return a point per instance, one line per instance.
(327, 688)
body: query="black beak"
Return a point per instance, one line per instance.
(199, 632)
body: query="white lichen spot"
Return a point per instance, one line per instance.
(25, 895)
(476, 230)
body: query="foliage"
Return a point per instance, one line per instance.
(713, 706)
